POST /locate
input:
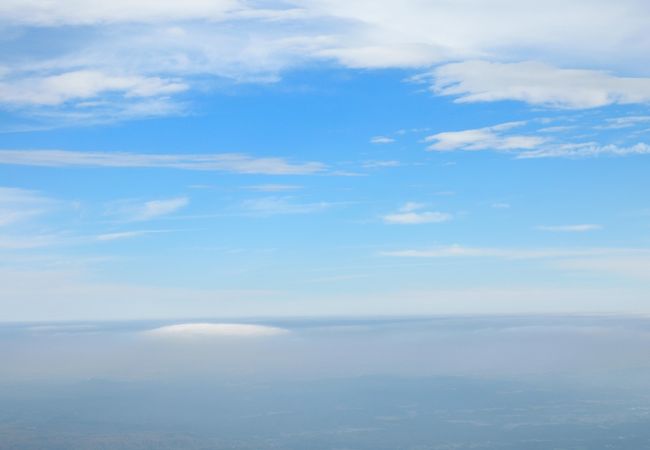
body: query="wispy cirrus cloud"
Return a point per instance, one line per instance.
(225, 162)
(17, 205)
(412, 213)
(138, 211)
(121, 235)
(585, 150)
(626, 262)
(577, 228)
(273, 187)
(536, 143)
(270, 206)
(459, 251)
(626, 122)
(29, 241)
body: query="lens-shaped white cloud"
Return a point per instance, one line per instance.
(203, 330)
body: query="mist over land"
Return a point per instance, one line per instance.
(509, 382)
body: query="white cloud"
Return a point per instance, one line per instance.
(580, 228)
(411, 214)
(141, 211)
(382, 140)
(500, 205)
(492, 138)
(215, 330)
(82, 84)
(537, 84)
(528, 146)
(227, 162)
(174, 42)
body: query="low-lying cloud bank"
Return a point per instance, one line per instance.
(552, 346)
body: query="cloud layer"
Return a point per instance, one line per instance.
(80, 56)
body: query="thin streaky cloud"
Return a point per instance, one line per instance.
(271, 206)
(578, 228)
(585, 150)
(118, 236)
(459, 251)
(140, 211)
(17, 205)
(382, 140)
(626, 122)
(225, 162)
(273, 187)
(378, 164)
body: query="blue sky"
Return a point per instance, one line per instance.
(230, 158)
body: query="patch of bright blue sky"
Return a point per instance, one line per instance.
(327, 232)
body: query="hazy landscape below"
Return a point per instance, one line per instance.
(437, 383)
